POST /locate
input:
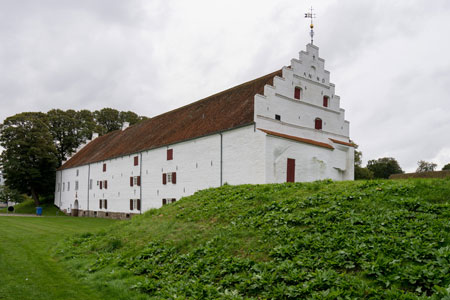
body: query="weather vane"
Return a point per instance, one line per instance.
(311, 15)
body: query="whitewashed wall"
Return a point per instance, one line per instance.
(239, 156)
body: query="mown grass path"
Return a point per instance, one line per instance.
(27, 268)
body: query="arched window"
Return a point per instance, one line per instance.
(297, 93)
(318, 124)
(326, 100)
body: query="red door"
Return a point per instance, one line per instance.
(290, 170)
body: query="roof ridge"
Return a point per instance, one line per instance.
(215, 95)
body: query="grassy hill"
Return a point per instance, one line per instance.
(321, 240)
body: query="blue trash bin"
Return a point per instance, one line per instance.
(39, 211)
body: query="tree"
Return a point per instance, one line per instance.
(360, 172)
(66, 130)
(446, 167)
(424, 166)
(10, 195)
(108, 120)
(384, 167)
(30, 158)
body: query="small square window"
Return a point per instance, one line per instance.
(278, 117)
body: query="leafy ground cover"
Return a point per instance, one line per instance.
(321, 240)
(28, 269)
(28, 207)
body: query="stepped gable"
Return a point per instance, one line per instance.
(226, 110)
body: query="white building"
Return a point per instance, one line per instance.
(284, 126)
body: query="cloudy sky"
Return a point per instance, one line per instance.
(389, 60)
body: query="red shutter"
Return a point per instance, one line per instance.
(325, 101)
(164, 201)
(104, 167)
(164, 178)
(290, 170)
(101, 184)
(318, 124)
(297, 93)
(106, 204)
(138, 204)
(106, 184)
(136, 160)
(139, 180)
(169, 154)
(131, 204)
(100, 203)
(174, 177)
(131, 181)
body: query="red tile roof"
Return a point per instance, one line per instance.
(342, 143)
(226, 110)
(298, 139)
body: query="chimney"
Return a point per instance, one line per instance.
(125, 125)
(94, 135)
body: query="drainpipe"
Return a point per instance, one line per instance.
(60, 190)
(88, 186)
(140, 186)
(221, 158)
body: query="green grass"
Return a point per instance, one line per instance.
(28, 269)
(321, 240)
(28, 207)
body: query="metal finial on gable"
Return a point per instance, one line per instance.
(311, 15)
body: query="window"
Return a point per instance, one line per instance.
(68, 185)
(78, 172)
(76, 185)
(104, 167)
(169, 154)
(325, 101)
(318, 124)
(136, 160)
(278, 117)
(297, 93)
(135, 204)
(168, 201)
(90, 184)
(170, 177)
(136, 180)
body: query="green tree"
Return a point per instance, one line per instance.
(11, 195)
(446, 167)
(107, 119)
(384, 167)
(66, 131)
(424, 166)
(360, 172)
(30, 158)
